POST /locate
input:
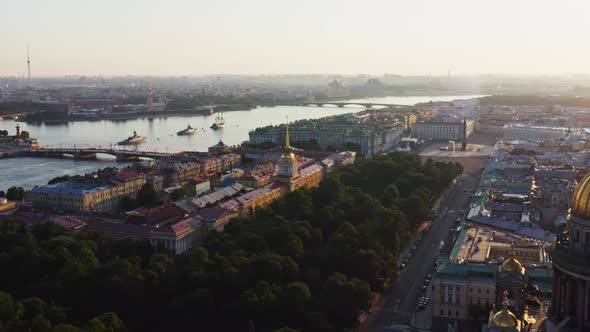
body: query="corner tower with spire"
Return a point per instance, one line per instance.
(288, 167)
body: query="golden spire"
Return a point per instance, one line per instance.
(287, 145)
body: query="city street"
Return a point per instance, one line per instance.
(394, 309)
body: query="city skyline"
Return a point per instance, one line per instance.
(263, 37)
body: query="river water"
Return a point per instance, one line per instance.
(160, 133)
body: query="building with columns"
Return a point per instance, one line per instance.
(486, 268)
(570, 306)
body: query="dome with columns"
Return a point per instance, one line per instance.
(581, 199)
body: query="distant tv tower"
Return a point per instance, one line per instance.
(150, 97)
(28, 65)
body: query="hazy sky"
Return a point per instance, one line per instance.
(188, 37)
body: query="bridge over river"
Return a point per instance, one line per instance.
(341, 104)
(89, 152)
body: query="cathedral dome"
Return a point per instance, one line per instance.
(512, 265)
(581, 199)
(504, 318)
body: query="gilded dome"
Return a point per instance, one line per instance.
(504, 318)
(512, 265)
(581, 199)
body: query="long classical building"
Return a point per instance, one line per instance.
(570, 308)
(372, 133)
(523, 131)
(442, 130)
(88, 195)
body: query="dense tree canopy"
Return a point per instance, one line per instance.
(311, 262)
(147, 196)
(15, 194)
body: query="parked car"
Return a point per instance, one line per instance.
(422, 303)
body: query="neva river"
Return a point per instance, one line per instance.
(160, 133)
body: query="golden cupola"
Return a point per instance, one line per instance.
(504, 318)
(512, 265)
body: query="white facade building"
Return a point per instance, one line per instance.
(522, 131)
(440, 130)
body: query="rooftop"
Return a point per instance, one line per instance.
(541, 277)
(235, 203)
(119, 229)
(155, 215)
(68, 222)
(211, 214)
(179, 228)
(215, 196)
(72, 188)
(310, 169)
(127, 175)
(480, 244)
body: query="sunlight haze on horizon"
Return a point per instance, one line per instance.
(183, 37)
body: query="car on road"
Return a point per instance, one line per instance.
(429, 277)
(424, 288)
(422, 303)
(408, 256)
(426, 282)
(406, 261)
(414, 248)
(402, 267)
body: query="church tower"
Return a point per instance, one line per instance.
(288, 165)
(511, 281)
